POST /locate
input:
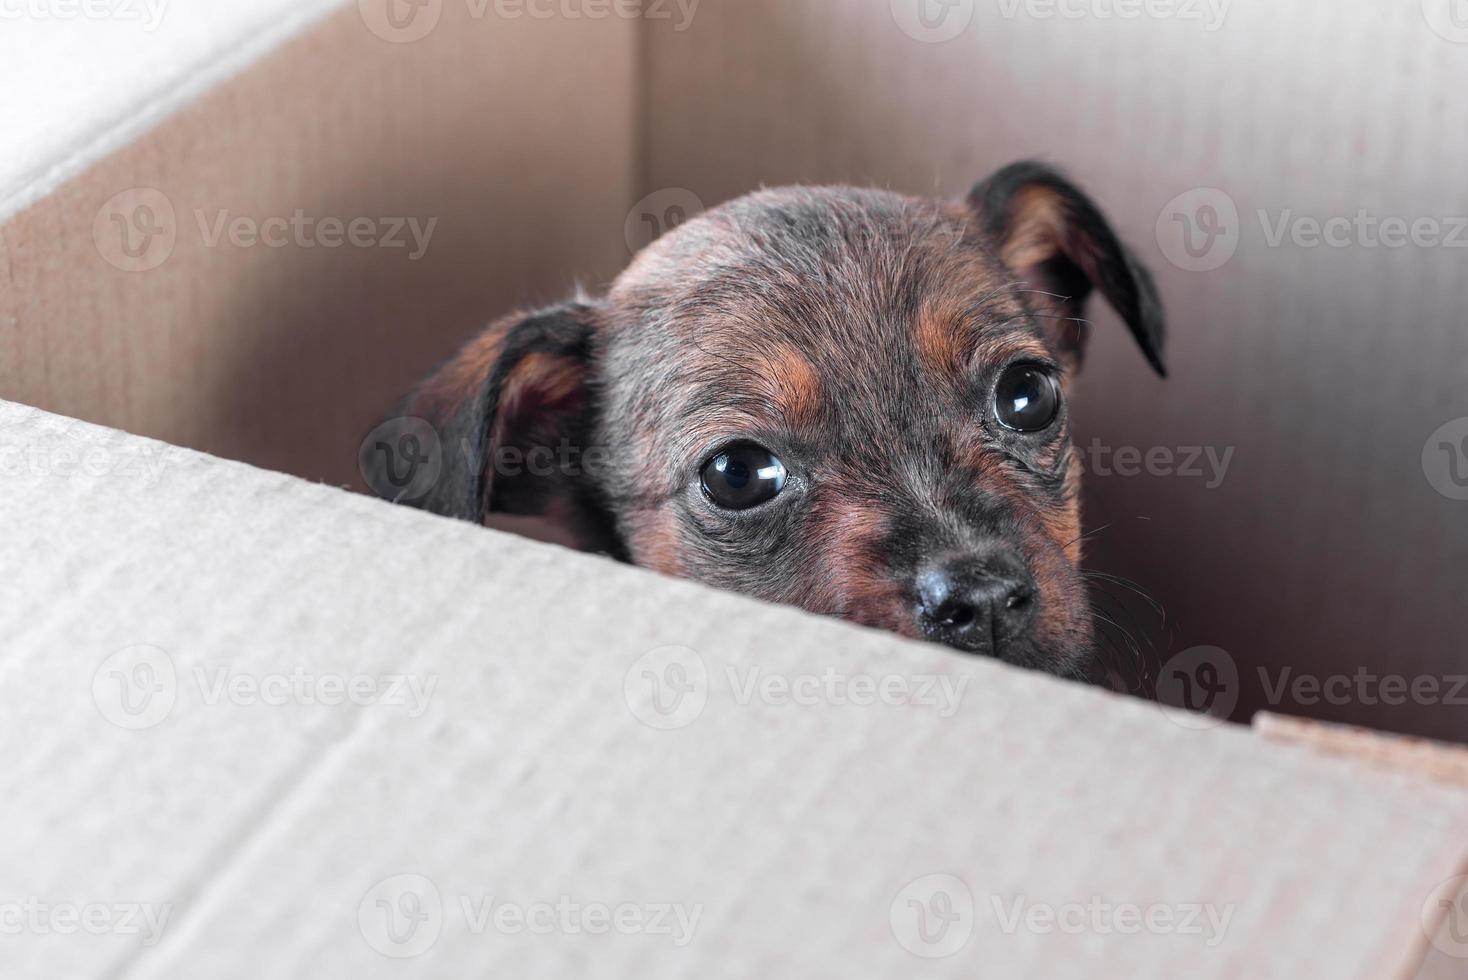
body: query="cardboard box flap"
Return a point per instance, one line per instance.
(294, 731)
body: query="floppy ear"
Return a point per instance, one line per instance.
(511, 419)
(1053, 236)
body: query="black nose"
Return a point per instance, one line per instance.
(976, 604)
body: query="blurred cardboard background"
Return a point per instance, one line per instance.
(1334, 543)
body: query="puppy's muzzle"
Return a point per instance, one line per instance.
(979, 605)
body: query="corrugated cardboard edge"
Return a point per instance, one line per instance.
(1436, 762)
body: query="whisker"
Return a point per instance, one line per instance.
(1086, 535)
(995, 292)
(1136, 663)
(1042, 292)
(1060, 316)
(1118, 662)
(1129, 585)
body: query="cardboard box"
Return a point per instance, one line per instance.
(260, 726)
(250, 708)
(545, 138)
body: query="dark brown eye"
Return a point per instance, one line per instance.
(1027, 399)
(743, 476)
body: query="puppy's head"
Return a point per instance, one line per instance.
(847, 400)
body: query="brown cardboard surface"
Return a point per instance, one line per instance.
(512, 134)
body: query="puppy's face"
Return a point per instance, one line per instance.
(846, 400)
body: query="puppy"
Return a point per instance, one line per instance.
(848, 400)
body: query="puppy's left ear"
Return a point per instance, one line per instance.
(512, 420)
(1052, 236)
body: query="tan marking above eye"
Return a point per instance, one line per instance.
(953, 337)
(1008, 349)
(794, 386)
(939, 338)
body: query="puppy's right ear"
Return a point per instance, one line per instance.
(509, 419)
